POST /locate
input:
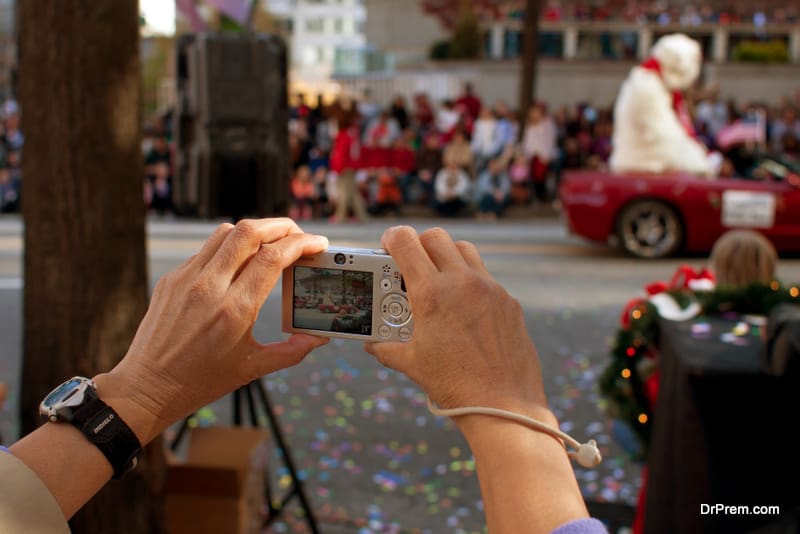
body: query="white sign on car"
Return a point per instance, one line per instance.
(748, 209)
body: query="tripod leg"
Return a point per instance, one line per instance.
(251, 405)
(272, 508)
(237, 407)
(298, 487)
(179, 436)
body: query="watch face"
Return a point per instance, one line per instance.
(63, 392)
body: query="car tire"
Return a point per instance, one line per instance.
(649, 229)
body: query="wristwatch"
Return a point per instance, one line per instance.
(76, 402)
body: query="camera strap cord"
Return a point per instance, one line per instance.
(586, 454)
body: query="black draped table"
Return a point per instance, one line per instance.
(721, 431)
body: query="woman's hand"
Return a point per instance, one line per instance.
(195, 343)
(469, 346)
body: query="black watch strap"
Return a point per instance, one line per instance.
(105, 428)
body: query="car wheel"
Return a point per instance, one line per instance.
(649, 229)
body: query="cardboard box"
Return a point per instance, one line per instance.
(219, 485)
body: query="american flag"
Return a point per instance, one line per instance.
(188, 8)
(749, 129)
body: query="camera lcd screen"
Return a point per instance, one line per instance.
(332, 300)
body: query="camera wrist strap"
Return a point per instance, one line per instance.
(586, 454)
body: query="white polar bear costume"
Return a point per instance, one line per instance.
(652, 131)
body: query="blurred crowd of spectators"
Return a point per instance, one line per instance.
(468, 157)
(158, 151)
(662, 12)
(11, 142)
(461, 156)
(458, 157)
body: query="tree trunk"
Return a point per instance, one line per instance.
(85, 258)
(530, 58)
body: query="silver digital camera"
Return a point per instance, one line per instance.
(347, 293)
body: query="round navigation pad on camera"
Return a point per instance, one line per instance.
(395, 309)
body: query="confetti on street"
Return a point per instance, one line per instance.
(373, 459)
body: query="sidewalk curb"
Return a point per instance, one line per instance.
(11, 225)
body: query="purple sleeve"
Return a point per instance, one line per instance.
(582, 526)
(4, 449)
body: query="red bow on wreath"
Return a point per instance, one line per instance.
(684, 278)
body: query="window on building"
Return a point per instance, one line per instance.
(607, 45)
(315, 25)
(338, 25)
(551, 44)
(757, 47)
(512, 44)
(286, 26)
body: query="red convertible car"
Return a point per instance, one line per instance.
(654, 216)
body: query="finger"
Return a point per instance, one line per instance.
(282, 354)
(245, 239)
(211, 246)
(392, 354)
(441, 249)
(403, 243)
(470, 254)
(259, 275)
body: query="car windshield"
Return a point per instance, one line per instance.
(775, 168)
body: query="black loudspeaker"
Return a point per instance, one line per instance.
(231, 126)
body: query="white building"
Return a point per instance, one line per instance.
(321, 34)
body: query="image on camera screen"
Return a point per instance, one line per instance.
(332, 300)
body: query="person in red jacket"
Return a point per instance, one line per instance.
(470, 102)
(345, 161)
(404, 164)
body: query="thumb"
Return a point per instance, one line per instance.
(395, 355)
(282, 354)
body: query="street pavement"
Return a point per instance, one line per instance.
(372, 458)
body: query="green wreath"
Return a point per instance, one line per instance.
(634, 353)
